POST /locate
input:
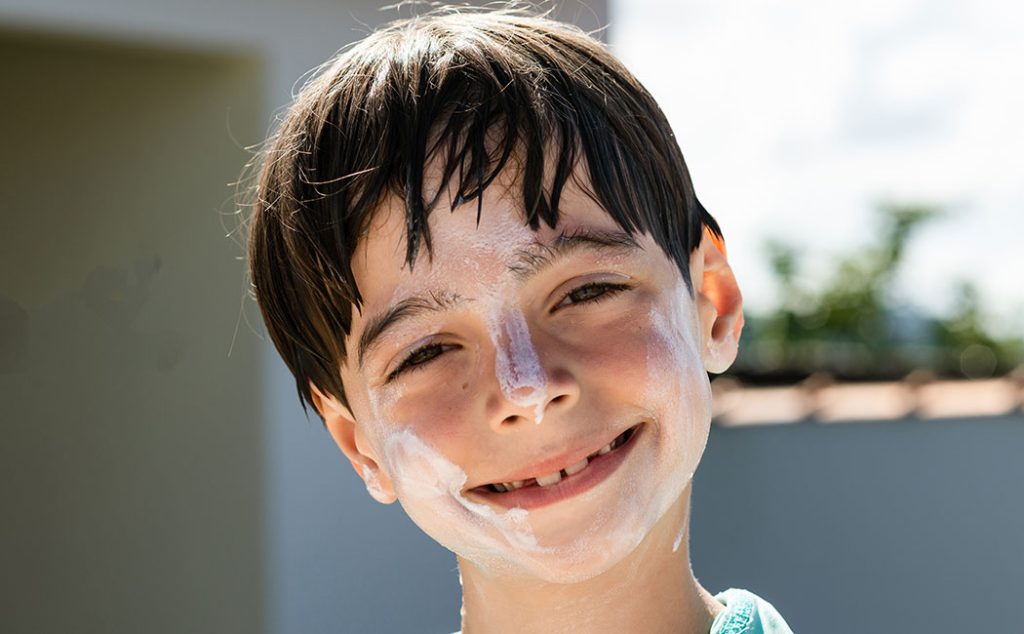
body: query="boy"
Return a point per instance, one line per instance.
(476, 245)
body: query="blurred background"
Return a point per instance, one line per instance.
(863, 473)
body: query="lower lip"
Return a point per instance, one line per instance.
(597, 471)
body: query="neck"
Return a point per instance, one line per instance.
(651, 590)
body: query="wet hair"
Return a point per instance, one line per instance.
(472, 93)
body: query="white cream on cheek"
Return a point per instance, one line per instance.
(677, 380)
(429, 485)
(544, 544)
(430, 488)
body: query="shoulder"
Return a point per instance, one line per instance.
(747, 613)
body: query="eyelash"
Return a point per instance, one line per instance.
(408, 366)
(609, 291)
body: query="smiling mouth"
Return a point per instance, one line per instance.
(544, 481)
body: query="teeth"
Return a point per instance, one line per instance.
(548, 480)
(576, 468)
(505, 487)
(556, 477)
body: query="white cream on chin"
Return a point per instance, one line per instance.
(516, 541)
(553, 544)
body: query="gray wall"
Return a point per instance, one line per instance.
(899, 526)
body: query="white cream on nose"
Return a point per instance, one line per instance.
(517, 366)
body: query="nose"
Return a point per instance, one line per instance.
(530, 406)
(528, 388)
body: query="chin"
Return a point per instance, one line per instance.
(575, 546)
(569, 568)
(565, 542)
(567, 556)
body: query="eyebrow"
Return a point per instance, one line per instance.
(526, 263)
(408, 308)
(530, 261)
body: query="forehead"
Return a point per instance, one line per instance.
(462, 253)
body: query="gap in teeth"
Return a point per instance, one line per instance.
(555, 478)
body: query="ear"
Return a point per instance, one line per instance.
(352, 442)
(719, 303)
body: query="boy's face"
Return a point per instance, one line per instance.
(517, 358)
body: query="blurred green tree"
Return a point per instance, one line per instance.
(854, 328)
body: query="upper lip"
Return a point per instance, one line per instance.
(555, 463)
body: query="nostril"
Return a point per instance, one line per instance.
(561, 398)
(512, 419)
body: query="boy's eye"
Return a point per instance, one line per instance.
(419, 358)
(592, 292)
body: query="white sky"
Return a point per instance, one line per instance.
(795, 116)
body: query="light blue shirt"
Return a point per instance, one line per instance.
(745, 613)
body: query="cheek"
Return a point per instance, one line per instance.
(614, 360)
(439, 409)
(649, 360)
(439, 414)
(679, 387)
(429, 485)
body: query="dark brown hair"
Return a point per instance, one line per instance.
(472, 92)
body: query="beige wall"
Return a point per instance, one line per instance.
(131, 452)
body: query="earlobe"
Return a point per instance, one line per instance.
(349, 437)
(719, 303)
